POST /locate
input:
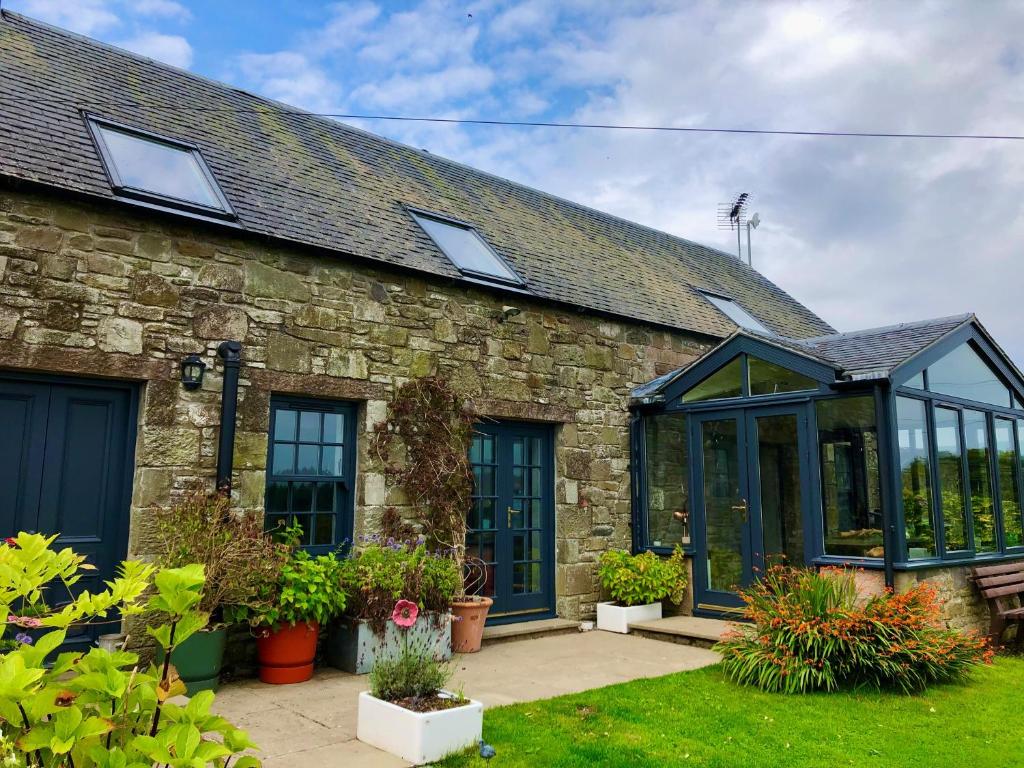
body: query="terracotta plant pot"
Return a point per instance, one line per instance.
(468, 624)
(286, 652)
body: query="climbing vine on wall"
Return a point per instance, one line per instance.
(423, 444)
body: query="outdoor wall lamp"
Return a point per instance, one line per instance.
(508, 313)
(192, 368)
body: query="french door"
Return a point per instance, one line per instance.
(751, 498)
(510, 530)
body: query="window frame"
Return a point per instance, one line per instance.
(516, 281)
(344, 508)
(711, 296)
(155, 199)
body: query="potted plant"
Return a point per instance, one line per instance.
(424, 445)
(306, 595)
(407, 710)
(637, 584)
(238, 559)
(376, 574)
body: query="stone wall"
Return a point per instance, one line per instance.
(100, 291)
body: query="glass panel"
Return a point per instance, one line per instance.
(324, 530)
(519, 585)
(163, 169)
(302, 497)
(284, 459)
(917, 382)
(485, 481)
(535, 510)
(334, 427)
(276, 523)
(1006, 452)
(725, 382)
(305, 522)
(850, 491)
(979, 474)
(912, 434)
(465, 248)
(736, 313)
(519, 546)
(668, 492)
(331, 461)
(723, 504)
(309, 460)
(325, 497)
(778, 464)
(284, 424)
(519, 481)
(534, 551)
(770, 379)
(949, 454)
(487, 513)
(277, 497)
(309, 426)
(962, 373)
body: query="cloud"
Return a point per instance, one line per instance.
(162, 8)
(289, 77)
(170, 49)
(88, 17)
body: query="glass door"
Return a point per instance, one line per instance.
(751, 499)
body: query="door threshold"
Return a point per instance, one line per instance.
(528, 630)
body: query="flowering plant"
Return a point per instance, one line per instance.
(415, 678)
(810, 632)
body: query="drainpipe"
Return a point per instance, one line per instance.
(231, 353)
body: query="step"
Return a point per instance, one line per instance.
(685, 630)
(527, 630)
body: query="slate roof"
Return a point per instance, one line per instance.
(318, 182)
(869, 354)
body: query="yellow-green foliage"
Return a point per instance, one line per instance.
(644, 578)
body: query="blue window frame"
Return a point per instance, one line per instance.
(310, 470)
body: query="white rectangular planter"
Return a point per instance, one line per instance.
(617, 618)
(419, 737)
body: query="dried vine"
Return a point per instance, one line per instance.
(423, 444)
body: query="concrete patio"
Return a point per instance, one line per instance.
(313, 724)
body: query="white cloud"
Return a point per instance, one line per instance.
(168, 9)
(289, 77)
(89, 17)
(170, 49)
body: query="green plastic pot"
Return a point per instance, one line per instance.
(199, 659)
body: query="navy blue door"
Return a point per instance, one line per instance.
(65, 467)
(511, 524)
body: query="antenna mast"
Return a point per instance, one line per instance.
(734, 216)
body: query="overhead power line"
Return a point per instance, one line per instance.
(543, 123)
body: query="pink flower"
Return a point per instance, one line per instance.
(10, 541)
(405, 613)
(24, 621)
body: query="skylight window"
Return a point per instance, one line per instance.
(466, 249)
(158, 170)
(736, 313)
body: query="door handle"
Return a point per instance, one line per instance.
(508, 517)
(742, 508)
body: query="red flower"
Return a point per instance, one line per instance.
(10, 541)
(405, 613)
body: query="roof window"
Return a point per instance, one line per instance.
(466, 249)
(736, 313)
(158, 170)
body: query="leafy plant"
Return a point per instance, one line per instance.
(424, 446)
(307, 589)
(238, 557)
(810, 633)
(643, 578)
(380, 572)
(101, 709)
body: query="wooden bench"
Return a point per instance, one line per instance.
(1003, 587)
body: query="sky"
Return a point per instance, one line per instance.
(865, 232)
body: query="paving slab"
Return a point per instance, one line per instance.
(694, 627)
(313, 724)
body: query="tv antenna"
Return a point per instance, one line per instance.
(734, 216)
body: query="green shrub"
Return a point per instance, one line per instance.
(98, 709)
(308, 589)
(644, 578)
(810, 632)
(380, 573)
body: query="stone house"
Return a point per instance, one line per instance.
(198, 284)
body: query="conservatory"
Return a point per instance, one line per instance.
(892, 449)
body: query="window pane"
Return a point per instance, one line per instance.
(949, 454)
(334, 427)
(850, 490)
(331, 461)
(309, 460)
(1006, 452)
(736, 313)
(302, 497)
(465, 248)
(284, 459)
(723, 496)
(323, 532)
(979, 474)
(160, 168)
(325, 497)
(912, 434)
(917, 382)
(277, 497)
(668, 496)
(284, 424)
(725, 382)
(770, 379)
(962, 373)
(309, 426)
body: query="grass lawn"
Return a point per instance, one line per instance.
(701, 719)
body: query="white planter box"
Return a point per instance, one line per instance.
(419, 737)
(617, 618)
